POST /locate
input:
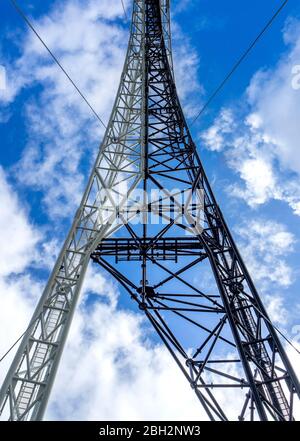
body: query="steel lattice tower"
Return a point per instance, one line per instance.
(158, 249)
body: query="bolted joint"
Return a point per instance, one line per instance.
(236, 287)
(189, 362)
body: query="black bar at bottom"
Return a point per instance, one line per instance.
(103, 430)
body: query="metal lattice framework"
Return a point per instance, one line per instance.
(159, 249)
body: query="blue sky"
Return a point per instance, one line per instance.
(248, 141)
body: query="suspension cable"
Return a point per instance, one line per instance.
(26, 19)
(239, 62)
(32, 322)
(124, 9)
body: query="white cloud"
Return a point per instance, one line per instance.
(186, 66)
(262, 147)
(214, 136)
(265, 246)
(275, 305)
(18, 238)
(259, 181)
(277, 104)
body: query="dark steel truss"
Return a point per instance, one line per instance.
(257, 363)
(178, 263)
